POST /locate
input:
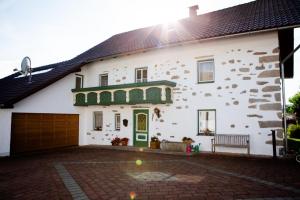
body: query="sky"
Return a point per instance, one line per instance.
(51, 31)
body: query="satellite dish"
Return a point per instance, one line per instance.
(26, 66)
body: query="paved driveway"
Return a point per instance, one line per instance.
(94, 173)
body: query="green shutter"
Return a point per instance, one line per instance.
(153, 95)
(105, 98)
(136, 96)
(92, 98)
(168, 95)
(119, 97)
(80, 99)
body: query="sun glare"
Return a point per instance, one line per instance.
(162, 14)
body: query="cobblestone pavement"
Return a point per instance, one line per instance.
(94, 173)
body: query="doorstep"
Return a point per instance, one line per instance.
(143, 149)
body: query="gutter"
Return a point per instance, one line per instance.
(283, 95)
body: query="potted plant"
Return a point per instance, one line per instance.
(187, 140)
(124, 141)
(154, 143)
(115, 141)
(207, 131)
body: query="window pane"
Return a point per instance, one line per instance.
(78, 82)
(211, 121)
(141, 75)
(98, 121)
(206, 70)
(141, 122)
(104, 80)
(138, 74)
(145, 73)
(117, 121)
(207, 122)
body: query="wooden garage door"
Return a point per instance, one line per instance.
(36, 131)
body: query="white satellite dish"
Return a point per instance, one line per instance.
(26, 66)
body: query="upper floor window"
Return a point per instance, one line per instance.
(141, 75)
(206, 71)
(98, 120)
(206, 122)
(103, 79)
(79, 81)
(117, 121)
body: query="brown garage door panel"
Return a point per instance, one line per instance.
(36, 131)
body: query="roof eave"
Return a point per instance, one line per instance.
(190, 42)
(11, 102)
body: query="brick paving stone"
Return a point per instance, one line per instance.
(107, 174)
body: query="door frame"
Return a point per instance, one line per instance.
(135, 143)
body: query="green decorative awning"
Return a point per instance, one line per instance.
(155, 92)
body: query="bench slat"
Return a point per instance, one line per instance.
(231, 140)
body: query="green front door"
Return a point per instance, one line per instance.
(140, 128)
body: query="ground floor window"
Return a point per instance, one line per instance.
(206, 122)
(117, 121)
(98, 120)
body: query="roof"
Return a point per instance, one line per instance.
(259, 15)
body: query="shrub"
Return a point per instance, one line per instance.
(294, 131)
(293, 144)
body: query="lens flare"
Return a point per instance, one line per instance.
(138, 162)
(141, 149)
(132, 195)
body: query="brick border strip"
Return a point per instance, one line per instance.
(257, 180)
(70, 183)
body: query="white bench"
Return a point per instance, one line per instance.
(231, 140)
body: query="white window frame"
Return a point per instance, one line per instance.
(142, 79)
(100, 128)
(206, 124)
(117, 121)
(81, 80)
(100, 79)
(198, 70)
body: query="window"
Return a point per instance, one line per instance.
(103, 79)
(141, 122)
(206, 122)
(79, 81)
(117, 121)
(141, 75)
(206, 71)
(98, 120)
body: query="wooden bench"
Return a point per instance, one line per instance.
(230, 140)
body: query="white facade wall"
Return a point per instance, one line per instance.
(235, 58)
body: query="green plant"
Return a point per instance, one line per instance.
(294, 131)
(294, 144)
(294, 107)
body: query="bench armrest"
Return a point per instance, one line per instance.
(213, 145)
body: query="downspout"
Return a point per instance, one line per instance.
(283, 95)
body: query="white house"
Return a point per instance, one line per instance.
(216, 73)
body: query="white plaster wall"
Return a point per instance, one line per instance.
(5, 125)
(56, 98)
(179, 64)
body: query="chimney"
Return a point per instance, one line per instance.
(193, 10)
